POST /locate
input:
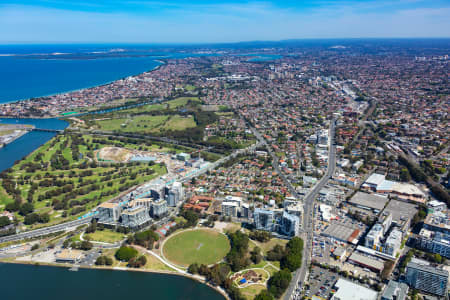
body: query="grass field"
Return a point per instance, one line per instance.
(250, 292)
(105, 236)
(266, 247)
(200, 246)
(155, 264)
(147, 124)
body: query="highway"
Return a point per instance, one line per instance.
(44, 231)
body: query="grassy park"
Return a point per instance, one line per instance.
(151, 119)
(105, 236)
(200, 246)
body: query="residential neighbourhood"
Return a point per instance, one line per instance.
(346, 153)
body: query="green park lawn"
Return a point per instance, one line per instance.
(148, 124)
(200, 246)
(179, 123)
(251, 291)
(105, 236)
(135, 124)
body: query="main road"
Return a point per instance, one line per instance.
(308, 228)
(308, 201)
(45, 231)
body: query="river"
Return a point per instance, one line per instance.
(29, 142)
(47, 283)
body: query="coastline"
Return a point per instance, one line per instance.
(123, 269)
(161, 62)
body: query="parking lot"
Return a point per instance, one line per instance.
(321, 282)
(90, 258)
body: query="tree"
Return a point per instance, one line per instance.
(92, 227)
(4, 221)
(264, 295)
(256, 256)
(44, 218)
(137, 262)
(404, 175)
(100, 261)
(293, 258)
(86, 245)
(237, 257)
(193, 268)
(438, 258)
(279, 282)
(125, 253)
(108, 261)
(276, 253)
(191, 217)
(26, 208)
(260, 235)
(144, 238)
(66, 243)
(31, 219)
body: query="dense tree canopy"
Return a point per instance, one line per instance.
(126, 253)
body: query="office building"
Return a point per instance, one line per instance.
(157, 191)
(290, 224)
(427, 279)
(434, 242)
(395, 291)
(374, 236)
(245, 210)
(159, 208)
(146, 202)
(393, 242)
(135, 217)
(174, 194)
(229, 209)
(108, 213)
(264, 219)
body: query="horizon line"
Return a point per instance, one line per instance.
(215, 43)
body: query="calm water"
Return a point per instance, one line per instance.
(32, 71)
(47, 283)
(29, 142)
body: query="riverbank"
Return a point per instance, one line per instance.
(126, 269)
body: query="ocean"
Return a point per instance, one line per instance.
(28, 71)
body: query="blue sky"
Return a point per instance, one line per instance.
(198, 21)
